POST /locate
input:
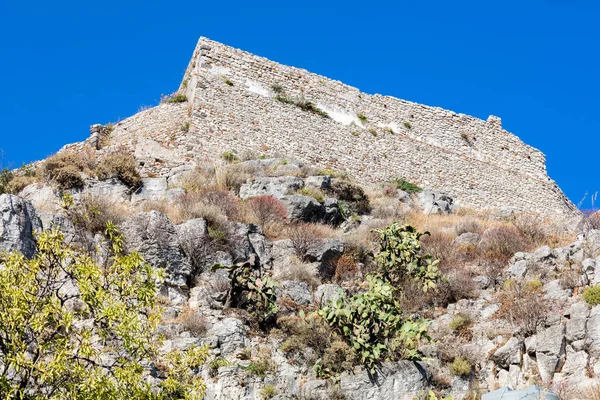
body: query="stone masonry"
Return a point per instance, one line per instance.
(232, 105)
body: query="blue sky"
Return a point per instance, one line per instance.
(67, 65)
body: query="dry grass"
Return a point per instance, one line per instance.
(522, 304)
(120, 165)
(19, 183)
(266, 211)
(93, 213)
(65, 169)
(193, 321)
(305, 237)
(300, 272)
(346, 269)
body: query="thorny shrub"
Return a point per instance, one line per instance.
(352, 197)
(266, 210)
(65, 169)
(304, 238)
(502, 242)
(522, 304)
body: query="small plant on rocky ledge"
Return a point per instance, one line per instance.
(215, 364)
(262, 365)
(407, 125)
(277, 88)
(228, 82)
(405, 185)
(178, 98)
(268, 392)
(362, 117)
(460, 367)
(312, 192)
(121, 166)
(591, 295)
(186, 126)
(302, 104)
(230, 157)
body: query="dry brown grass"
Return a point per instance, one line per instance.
(306, 236)
(122, 166)
(266, 211)
(522, 304)
(298, 271)
(193, 321)
(346, 269)
(19, 183)
(93, 213)
(65, 169)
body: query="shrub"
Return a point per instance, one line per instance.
(193, 321)
(179, 98)
(268, 392)
(533, 227)
(312, 192)
(303, 105)
(92, 214)
(6, 176)
(362, 117)
(353, 198)
(277, 88)
(330, 172)
(399, 257)
(262, 365)
(369, 320)
(304, 237)
(405, 185)
(215, 364)
(407, 125)
(116, 302)
(65, 170)
(230, 157)
(460, 322)
(228, 82)
(467, 225)
(266, 210)
(591, 295)
(296, 270)
(121, 166)
(460, 367)
(346, 268)
(252, 289)
(523, 305)
(502, 242)
(19, 183)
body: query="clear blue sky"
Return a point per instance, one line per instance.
(68, 64)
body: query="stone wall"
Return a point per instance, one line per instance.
(373, 137)
(232, 105)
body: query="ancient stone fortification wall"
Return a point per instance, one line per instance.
(232, 106)
(484, 166)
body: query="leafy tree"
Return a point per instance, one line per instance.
(70, 329)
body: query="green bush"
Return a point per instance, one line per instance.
(65, 170)
(362, 117)
(460, 322)
(312, 192)
(277, 88)
(407, 125)
(405, 185)
(400, 257)
(121, 166)
(368, 322)
(179, 98)
(302, 104)
(460, 367)
(591, 295)
(230, 157)
(268, 392)
(6, 176)
(228, 82)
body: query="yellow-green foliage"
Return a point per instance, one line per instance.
(460, 322)
(591, 295)
(121, 166)
(460, 367)
(268, 392)
(52, 350)
(312, 192)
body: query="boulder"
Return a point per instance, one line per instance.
(508, 354)
(112, 189)
(231, 335)
(319, 182)
(435, 202)
(303, 208)
(297, 291)
(395, 380)
(550, 350)
(326, 293)
(277, 187)
(325, 253)
(468, 239)
(332, 216)
(19, 221)
(178, 175)
(153, 189)
(155, 237)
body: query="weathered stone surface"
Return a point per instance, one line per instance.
(153, 189)
(519, 268)
(277, 187)
(332, 215)
(297, 291)
(398, 380)
(319, 182)
(550, 350)
(508, 354)
(326, 293)
(325, 253)
(303, 208)
(19, 220)
(154, 236)
(468, 238)
(435, 202)
(112, 189)
(231, 335)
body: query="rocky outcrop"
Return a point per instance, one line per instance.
(18, 222)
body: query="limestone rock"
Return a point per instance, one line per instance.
(395, 380)
(435, 202)
(297, 291)
(277, 187)
(319, 182)
(468, 238)
(231, 335)
(112, 189)
(508, 354)
(155, 237)
(303, 208)
(153, 189)
(326, 293)
(19, 220)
